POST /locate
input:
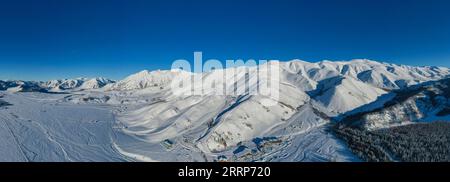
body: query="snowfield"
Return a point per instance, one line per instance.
(140, 118)
(35, 127)
(48, 127)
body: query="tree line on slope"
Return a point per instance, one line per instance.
(424, 142)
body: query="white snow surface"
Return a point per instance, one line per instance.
(140, 118)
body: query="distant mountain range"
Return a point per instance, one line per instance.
(55, 85)
(307, 76)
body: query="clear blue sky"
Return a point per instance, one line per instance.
(43, 39)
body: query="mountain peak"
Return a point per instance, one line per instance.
(143, 72)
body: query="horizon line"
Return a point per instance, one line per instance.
(268, 60)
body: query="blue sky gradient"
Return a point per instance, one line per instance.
(51, 39)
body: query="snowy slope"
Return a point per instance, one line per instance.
(420, 103)
(95, 83)
(145, 79)
(341, 94)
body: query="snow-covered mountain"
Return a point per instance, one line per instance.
(144, 79)
(338, 86)
(425, 102)
(21, 86)
(4, 85)
(55, 85)
(342, 93)
(95, 83)
(382, 75)
(150, 121)
(306, 75)
(330, 88)
(71, 83)
(78, 83)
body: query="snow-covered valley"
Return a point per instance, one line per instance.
(46, 127)
(36, 127)
(140, 118)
